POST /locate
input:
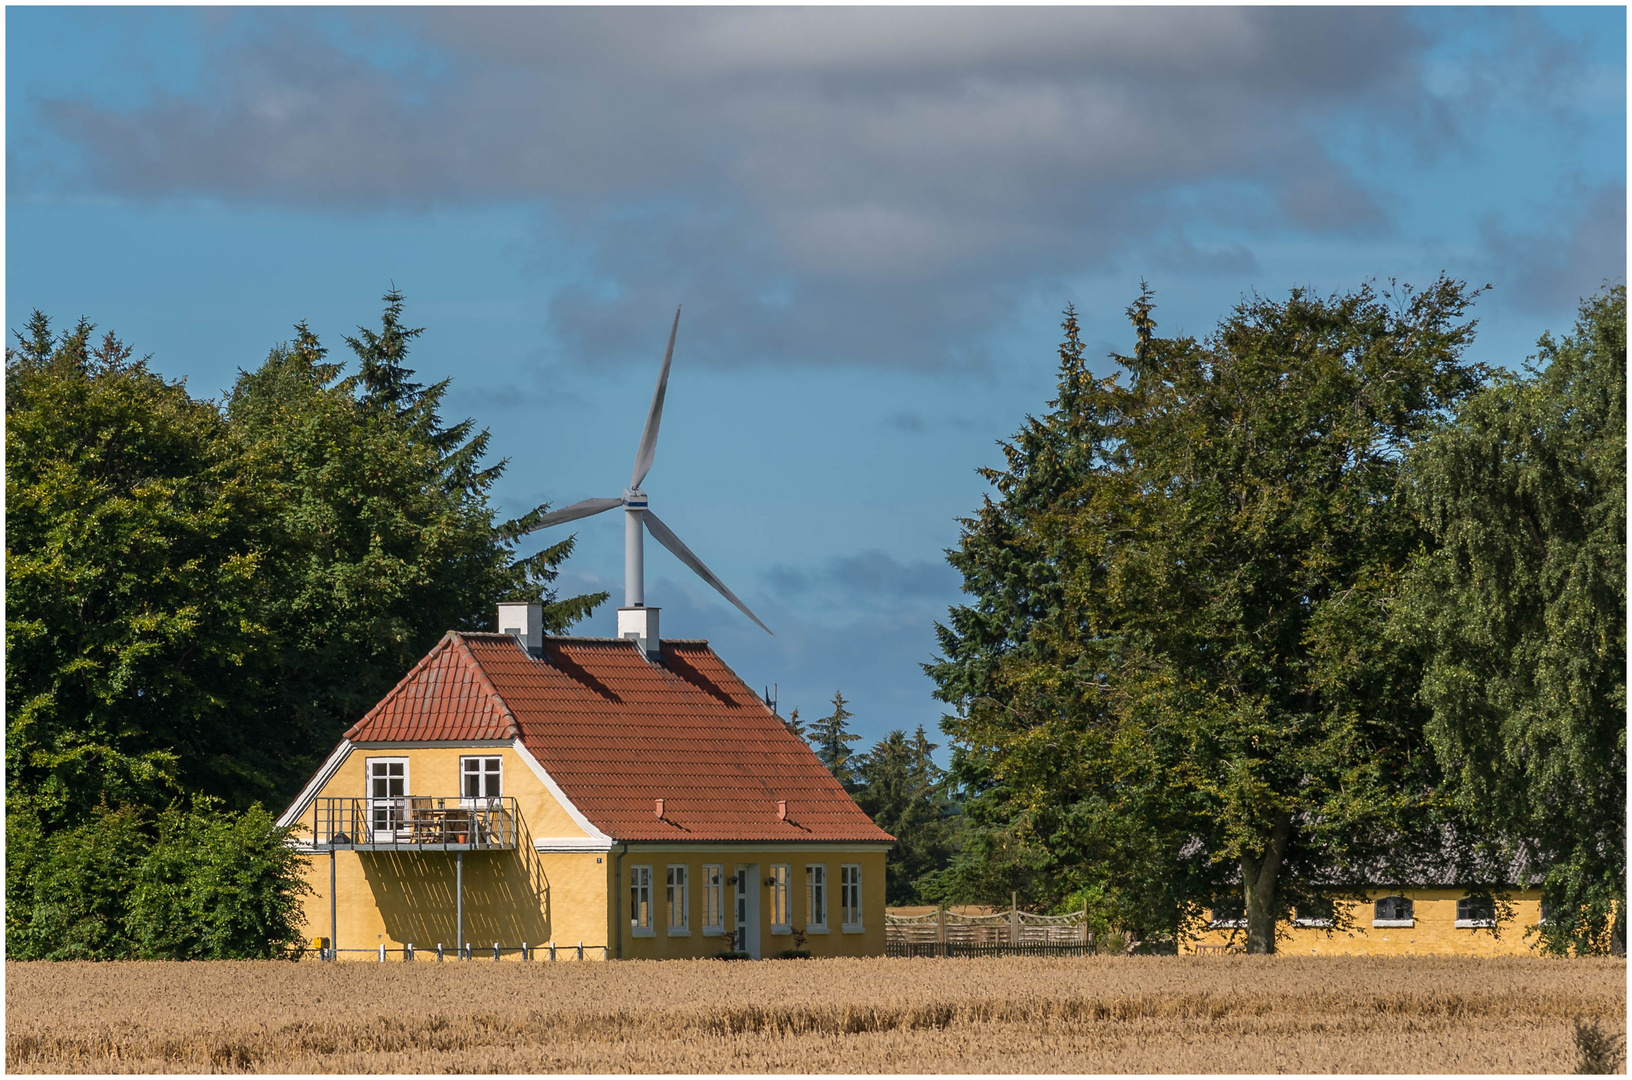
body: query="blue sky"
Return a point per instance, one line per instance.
(873, 216)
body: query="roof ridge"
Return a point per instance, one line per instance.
(514, 731)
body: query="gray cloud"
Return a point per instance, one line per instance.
(1551, 269)
(777, 168)
(867, 580)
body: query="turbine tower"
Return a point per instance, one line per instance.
(635, 619)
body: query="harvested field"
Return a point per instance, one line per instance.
(1090, 1014)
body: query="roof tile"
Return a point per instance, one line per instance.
(617, 732)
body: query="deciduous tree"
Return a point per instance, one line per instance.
(1174, 672)
(1521, 606)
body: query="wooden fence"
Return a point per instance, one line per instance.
(1006, 933)
(953, 948)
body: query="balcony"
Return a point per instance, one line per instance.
(412, 824)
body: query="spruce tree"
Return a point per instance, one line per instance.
(831, 737)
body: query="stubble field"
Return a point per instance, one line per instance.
(1090, 1014)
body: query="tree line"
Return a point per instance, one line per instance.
(1266, 617)
(1252, 620)
(201, 596)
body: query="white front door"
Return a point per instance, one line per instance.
(747, 909)
(387, 797)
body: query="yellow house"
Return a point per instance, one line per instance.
(583, 797)
(1399, 919)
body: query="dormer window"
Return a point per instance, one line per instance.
(1393, 911)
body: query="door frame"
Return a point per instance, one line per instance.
(747, 897)
(401, 817)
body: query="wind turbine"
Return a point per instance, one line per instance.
(635, 619)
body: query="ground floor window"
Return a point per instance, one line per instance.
(781, 915)
(1229, 913)
(1475, 911)
(1391, 911)
(816, 897)
(677, 899)
(713, 899)
(850, 895)
(640, 899)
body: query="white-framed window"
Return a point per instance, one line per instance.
(850, 897)
(387, 796)
(1228, 913)
(481, 777)
(1393, 911)
(1475, 912)
(713, 900)
(1317, 913)
(781, 915)
(677, 897)
(640, 901)
(816, 898)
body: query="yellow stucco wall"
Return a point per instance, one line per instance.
(512, 897)
(400, 897)
(1434, 929)
(661, 944)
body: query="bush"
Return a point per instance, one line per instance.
(199, 883)
(793, 954)
(217, 886)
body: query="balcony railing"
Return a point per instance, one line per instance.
(413, 823)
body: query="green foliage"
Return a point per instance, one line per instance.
(385, 537)
(201, 599)
(196, 884)
(136, 634)
(900, 787)
(831, 737)
(217, 886)
(1521, 603)
(1173, 680)
(67, 894)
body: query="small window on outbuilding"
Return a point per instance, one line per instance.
(1228, 913)
(1316, 912)
(1475, 912)
(1393, 911)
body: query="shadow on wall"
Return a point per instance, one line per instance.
(506, 895)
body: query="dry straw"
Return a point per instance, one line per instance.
(1094, 1014)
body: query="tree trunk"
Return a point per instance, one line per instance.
(1259, 878)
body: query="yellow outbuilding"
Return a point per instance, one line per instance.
(583, 798)
(1421, 918)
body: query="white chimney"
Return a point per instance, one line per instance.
(524, 621)
(640, 624)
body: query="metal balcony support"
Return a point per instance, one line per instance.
(459, 900)
(334, 943)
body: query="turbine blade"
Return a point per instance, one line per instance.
(665, 536)
(574, 512)
(648, 437)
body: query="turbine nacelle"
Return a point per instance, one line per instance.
(634, 618)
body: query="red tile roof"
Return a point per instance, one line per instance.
(618, 732)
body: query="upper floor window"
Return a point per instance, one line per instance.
(481, 777)
(781, 912)
(1392, 911)
(640, 899)
(1475, 911)
(678, 900)
(816, 897)
(850, 895)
